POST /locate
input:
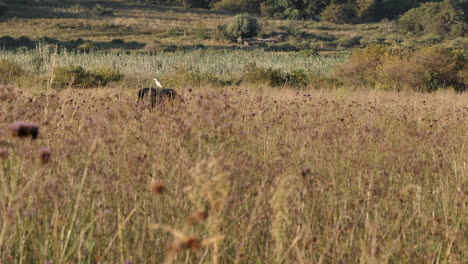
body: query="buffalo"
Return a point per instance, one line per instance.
(158, 95)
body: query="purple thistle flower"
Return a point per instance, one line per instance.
(22, 129)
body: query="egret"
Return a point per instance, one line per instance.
(157, 95)
(157, 83)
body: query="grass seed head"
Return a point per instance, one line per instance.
(44, 155)
(197, 218)
(158, 188)
(3, 153)
(189, 243)
(306, 172)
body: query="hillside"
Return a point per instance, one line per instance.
(129, 25)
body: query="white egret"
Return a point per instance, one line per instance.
(157, 83)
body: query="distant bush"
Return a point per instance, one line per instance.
(273, 77)
(243, 26)
(79, 77)
(9, 71)
(182, 75)
(171, 48)
(360, 69)
(196, 3)
(426, 69)
(297, 78)
(105, 74)
(255, 74)
(200, 31)
(391, 9)
(220, 33)
(441, 18)
(238, 5)
(463, 77)
(340, 14)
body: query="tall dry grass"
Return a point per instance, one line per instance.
(237, 176)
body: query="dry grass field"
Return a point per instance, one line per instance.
(238, 176)
(273, 157)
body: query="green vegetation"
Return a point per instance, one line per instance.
(178, 69)
(78, 77)
(243, 26)
(9, 71)
(442, 18)
(340, 14)
(426, 69)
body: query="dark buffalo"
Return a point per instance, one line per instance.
(157, 95)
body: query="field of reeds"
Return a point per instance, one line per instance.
(175, 69)
(240, 175)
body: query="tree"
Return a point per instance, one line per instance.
(443, 18)
(340, 14)
(238, 5)
(3, 7)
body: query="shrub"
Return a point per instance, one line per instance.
(243, 26)
(170, 48)
(79, 77)
(200, 31)
(397, 74)
(220, 33)
(439, 68)
(441, 18)
(426, 69)
(255, 74)
(9, 71)
(238, 5)
(196, 3)
(71, 76)
(366, 9)
(393, 8)
(360, 69)
(297, 78)
(463, 77)
(340, 14)
(105, 74)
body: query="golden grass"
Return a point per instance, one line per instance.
(272, 177)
